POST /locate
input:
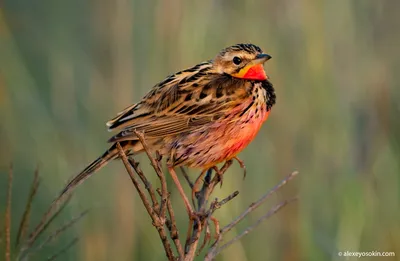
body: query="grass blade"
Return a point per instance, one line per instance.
(23, 226)
(64, 249)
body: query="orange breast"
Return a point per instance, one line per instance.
(223, 140)
(242, 135)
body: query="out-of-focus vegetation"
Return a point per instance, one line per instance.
(66, 67)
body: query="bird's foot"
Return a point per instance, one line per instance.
(241, 163)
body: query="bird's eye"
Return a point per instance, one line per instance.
(237, 60)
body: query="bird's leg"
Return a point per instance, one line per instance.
(241, 163)
(196, 184)
(188, 207)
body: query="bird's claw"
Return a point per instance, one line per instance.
(241, 163)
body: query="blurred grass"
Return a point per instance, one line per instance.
(66, 67)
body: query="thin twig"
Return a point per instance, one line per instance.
(23, 226)
(157, 168)
(202, 196)
(138, 187)
(186, 176)
(145, 181)
(64, 249)
(46, 220)
(256, 204)
(174, 233)
(218, 204)
(44, 223)
(8, 215)
(271, 212)
(215, 249)
(198, 223)
(214, 206)
(202, 201)
(156, 220)
(61, 229)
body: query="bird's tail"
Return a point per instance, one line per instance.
(109, 155)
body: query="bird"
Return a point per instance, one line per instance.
(197, 117)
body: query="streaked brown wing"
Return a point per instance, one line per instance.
(161, 127)
(184, 102)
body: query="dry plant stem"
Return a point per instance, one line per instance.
(195, 228)
(215, 249)
(202, 199)
(214, 206)
(156, 220)
(271, 212)
(256, 204)
(171, 224)
(161, 176)
(174, 233)
(146, 183)
(188, 207)
(195, 185)
(209, 184)
(46, 220)
(174, 230)
(198, 226)
(8, 216)
(26, 250)
(23, 227)
(60, 230)
(186, 176)
(63, 250)
(199, 221)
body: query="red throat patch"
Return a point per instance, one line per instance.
(256, 72)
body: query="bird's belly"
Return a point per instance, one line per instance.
(240, 135)
(221, 142)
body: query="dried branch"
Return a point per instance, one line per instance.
(215, 250)
(202, 196)
(157, 167)
(46, 220)
(159, 207)
(157, 222)
(23, 226)
(61, 229)
(24, 248)
(44, 223)
(171, 224)
(64, 249)
(258, 203)
(146, 183)
(186, 176)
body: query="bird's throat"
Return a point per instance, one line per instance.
(252, 72)
(256, 72)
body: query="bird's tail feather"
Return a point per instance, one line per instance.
(109, 155)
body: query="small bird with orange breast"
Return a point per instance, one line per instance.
(197, 117)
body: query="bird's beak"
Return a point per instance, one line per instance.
(254, 70)
(261, 58)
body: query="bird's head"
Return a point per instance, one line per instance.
(242, 61)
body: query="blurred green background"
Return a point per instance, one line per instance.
(66, 67)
